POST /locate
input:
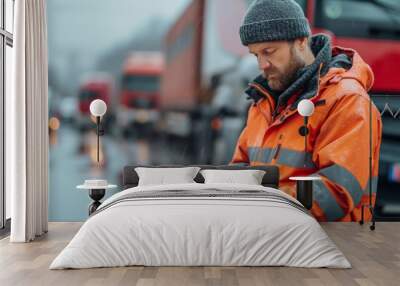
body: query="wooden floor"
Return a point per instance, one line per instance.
(375, 257)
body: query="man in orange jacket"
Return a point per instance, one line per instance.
(296, 66)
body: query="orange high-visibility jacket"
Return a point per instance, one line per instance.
(337, 143)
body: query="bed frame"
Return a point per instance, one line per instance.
(271, 178)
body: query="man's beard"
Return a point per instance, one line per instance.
(280, 81)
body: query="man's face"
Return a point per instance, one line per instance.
(279, 61)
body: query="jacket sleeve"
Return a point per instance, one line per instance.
(341, 153)
(240, 154)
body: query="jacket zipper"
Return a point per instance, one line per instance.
(277, 151)
(289, 113)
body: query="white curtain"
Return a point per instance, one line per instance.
(27, 124)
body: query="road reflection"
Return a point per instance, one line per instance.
(73, 158)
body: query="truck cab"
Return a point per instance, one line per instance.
(140, 91)
(94, 86)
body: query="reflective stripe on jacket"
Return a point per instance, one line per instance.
(337, 143)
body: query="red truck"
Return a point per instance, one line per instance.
(140, 91)
(204, 42)
(94, 86)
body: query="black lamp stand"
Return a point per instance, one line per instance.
(369, 205)
(100, 132)
(96, 195)
(304, 132)
(305, 187)
(305, 192)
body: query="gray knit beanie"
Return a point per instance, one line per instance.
(273, 20)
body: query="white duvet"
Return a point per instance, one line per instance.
(200, 231)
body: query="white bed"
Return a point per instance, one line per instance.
(184, 230)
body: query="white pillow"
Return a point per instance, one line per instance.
(249, 177)
(162, 176)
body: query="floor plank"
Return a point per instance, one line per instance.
(375, 257)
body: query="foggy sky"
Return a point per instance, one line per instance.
(79, 31)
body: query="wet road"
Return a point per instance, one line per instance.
(73, 159)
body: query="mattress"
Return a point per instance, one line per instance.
(201, 225)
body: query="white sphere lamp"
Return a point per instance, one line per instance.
(98, 107)
(305, 107)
